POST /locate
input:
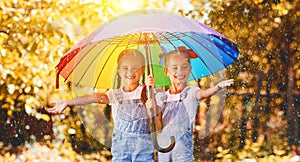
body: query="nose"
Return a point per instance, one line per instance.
(131, 71)
(180, 70)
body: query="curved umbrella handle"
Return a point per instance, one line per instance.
(154, 137)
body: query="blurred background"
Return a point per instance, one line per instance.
(261, 115)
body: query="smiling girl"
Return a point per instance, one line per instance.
(131, 139)
(179, 105)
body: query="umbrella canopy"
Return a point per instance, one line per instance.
(93, 60)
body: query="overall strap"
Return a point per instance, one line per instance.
(164, 98)
(183, 94)
(119, 96)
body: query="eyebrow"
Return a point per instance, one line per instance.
(185, 64)
(132, 66)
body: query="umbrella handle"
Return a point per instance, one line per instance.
(154, 137)
(153, 129)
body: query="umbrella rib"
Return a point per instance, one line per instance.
(175, 48)
(107, 61)
(208, 50)
(204, 47)
(157, 41)
(85, 71)
(149, 58)
(125, 48)
(75, 66)
(232, 45)
(168, 40)
(191, 48)
(140, 36)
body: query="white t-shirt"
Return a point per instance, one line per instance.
(115, 94)
(190, 102)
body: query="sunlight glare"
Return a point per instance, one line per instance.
(130, 5)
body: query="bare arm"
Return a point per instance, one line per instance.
(61, 105)
(204, 93)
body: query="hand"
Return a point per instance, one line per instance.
(150, 104)
(225, 83)
(58, 108)
(150, 81)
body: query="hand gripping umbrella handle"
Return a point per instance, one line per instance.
(153, 129)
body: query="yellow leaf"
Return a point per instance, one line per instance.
(10, 100)
(220, 149)
(45, 117)
(9, 113)
(219, 155)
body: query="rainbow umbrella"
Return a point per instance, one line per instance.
(92, 61)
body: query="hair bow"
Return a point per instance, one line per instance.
(192, 54)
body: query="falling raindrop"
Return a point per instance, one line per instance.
(27, 127)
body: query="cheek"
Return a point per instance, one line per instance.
(140, 72)
(168, 73)
(121, 73)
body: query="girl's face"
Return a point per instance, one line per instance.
(130, 69)
(178, 68)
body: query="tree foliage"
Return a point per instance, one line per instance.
(261, 106)
(34, 35)
(266, 78)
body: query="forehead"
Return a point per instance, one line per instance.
(131, 60)
(177, 58)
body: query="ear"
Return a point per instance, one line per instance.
(166, 71)
(118, 72)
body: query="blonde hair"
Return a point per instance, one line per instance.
(183, 53)
(135, 52)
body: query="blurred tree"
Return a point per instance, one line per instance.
(33, 36)
(268, 66)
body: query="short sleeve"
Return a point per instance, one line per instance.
(193, 91)
(110, 95)
(192, 103)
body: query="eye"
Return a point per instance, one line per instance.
(186, 67)
(124, 68)
(174, 68)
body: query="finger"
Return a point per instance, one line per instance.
(53, 111)
(54, 101)
(48, 109)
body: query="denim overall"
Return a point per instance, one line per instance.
(131, 139)
(176, 123)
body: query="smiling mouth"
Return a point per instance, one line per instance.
(130, 77)
(179, 76)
